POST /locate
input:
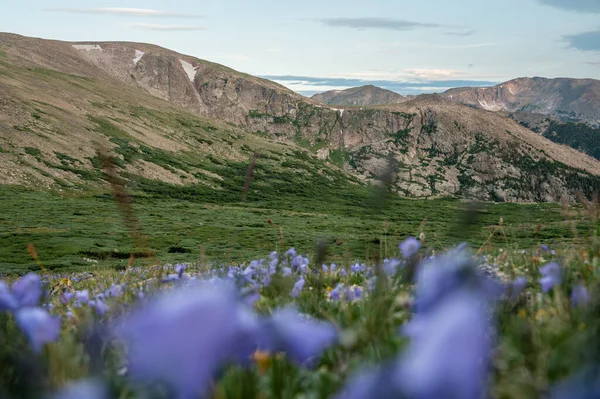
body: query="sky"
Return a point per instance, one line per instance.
(312, 46)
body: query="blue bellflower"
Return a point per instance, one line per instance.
(551, 276)
(449, 351)
(38, 325)
(183, 337)
(303, 339)
(410, 247)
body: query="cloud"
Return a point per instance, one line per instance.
(586, 41)
(595, 63)
(131, 12)
(462, 32)
(376, 23)
(308, 85)
(585, 6)
(392, 24)
(167, 27)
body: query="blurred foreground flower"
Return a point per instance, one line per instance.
(303, 339)
(551, 276)
(409, 247)
(183, 337)
(38, 325)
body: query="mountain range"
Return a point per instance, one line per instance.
(173, 119)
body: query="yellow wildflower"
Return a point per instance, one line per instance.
(263, 360)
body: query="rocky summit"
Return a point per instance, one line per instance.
(360, 96)
(566, 99)
(166, 115)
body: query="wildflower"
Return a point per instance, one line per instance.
(99, 306)
(303, 339)
(580, 296)
(116, 290)
(291, 252)
(518, 286)
(324, 269)
(28, 290)
(343, 272)
(88, 389)
(390, 266)
(545, 248)
(82, 296)
(263, 360)
(358, 291)
(298, 286)
(182, 337)
(334, 295)
(287, 271)
(375, 382)
(38, 325)
(179, 269)
(551, 276)
(448, 345)
(410, 247)
(7, 300)
(333, 267)
(66, 297)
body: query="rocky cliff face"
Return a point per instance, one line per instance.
(439, 147)
(359, 97)
(567, 99)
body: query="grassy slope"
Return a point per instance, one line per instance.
(67, 229)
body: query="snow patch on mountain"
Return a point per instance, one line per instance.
(189, 69)
(138, 56)
(87, 47)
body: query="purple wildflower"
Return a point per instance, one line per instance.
(333, 267)
(287, 271)
(183, 337)
(117, 290)
(444, 358)
(343, 272)
(324, 269)
(518, 286)
(7, 300)
(82, 296)
(545, 248)
(291, 252)
(390, 266)
(551, 276)
(88, 389)
(39, 327)
(66, 297)
(580, 296)
(28, 290)
(303, 339)
(410, 247)
(298, 286)
(179, 269)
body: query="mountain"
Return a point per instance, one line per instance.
(177, 121)
(359, 97)
(567, 99)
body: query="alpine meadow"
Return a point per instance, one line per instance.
(383, 207)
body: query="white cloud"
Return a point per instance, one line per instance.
(131, 12)
(166, 27)
(305, 86)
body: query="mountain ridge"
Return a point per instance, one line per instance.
(441, 148)
(367, 95)
(568, 99)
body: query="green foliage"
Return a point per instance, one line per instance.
(34, 152)
(580, 136)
